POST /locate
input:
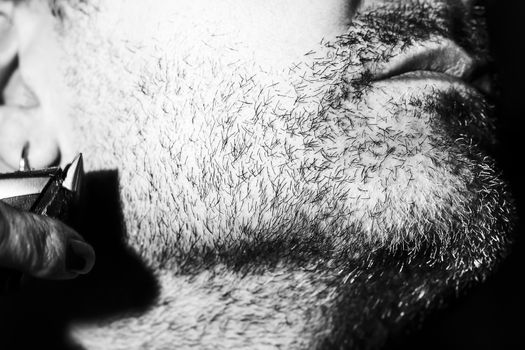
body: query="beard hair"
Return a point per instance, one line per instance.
(230, 175)
(216, 155)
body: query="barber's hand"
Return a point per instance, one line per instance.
(41, 246)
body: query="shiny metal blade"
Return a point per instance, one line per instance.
(74, 174)
(14, 187)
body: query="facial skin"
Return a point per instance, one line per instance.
(267, 135)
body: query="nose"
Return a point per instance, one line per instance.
(23, 122)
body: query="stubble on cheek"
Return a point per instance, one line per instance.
(237, 182)
(216, 159)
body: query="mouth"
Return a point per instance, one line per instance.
(436, 60)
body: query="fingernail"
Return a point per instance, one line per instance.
(78, 256)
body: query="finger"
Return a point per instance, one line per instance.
(41, 246)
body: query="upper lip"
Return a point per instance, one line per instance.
(436, 57)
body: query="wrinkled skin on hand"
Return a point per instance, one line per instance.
(38, 246)
(320, 206)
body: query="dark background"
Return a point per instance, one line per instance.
(491, 315)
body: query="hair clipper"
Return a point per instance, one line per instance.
(52, 192)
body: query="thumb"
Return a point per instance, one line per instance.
(41, 246)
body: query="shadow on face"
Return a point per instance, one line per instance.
(39, 315)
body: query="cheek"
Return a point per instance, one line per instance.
(104, 74)
(96, 100)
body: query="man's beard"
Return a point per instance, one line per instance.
(214, 154)
(224, 167)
